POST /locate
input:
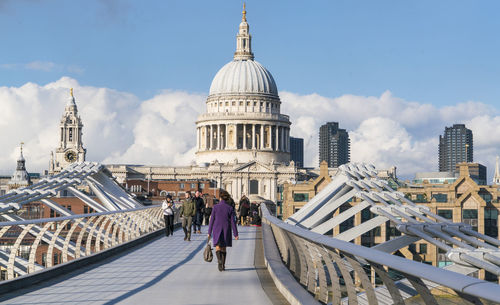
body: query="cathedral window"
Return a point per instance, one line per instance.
(71, 134)
(227, 103)
(234, 103)
(241, 103)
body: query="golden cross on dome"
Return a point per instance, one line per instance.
(244, 18)
(22, 143)
(71, 92)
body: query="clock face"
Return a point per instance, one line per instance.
(70, 156)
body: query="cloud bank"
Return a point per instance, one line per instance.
(119, 128)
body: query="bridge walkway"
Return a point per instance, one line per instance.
(166, 270)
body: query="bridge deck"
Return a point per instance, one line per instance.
(167, 270)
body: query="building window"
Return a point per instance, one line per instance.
(469, 216)
(412, 248)
(422, 249)
(491, 222)
(193, 186)
(421, 198)
(54, 214)
(448, 214)
(71, 134)
(254, 187)
(181, 186)
(440, 197)
(87, 209)
(202, 186)
(301, 197)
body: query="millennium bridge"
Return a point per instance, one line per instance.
(119, 254)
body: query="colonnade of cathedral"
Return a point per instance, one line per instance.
(270, 137)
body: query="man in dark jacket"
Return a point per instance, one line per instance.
(243, 208)
(198, 217)
(187, 212)
(209, 204)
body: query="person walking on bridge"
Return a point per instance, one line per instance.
(168, 215)
(243, 208)
(198, 217)
(222, 221)
(187, 212)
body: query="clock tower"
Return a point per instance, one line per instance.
(70, 148)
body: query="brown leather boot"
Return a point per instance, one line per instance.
(219, 259)
(223, 255)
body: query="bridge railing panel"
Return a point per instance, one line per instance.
(340, 272)
(31, 245)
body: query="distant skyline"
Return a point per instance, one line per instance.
(393, 73)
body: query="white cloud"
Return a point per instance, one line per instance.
(46, 66)
(165, 130)
(119, 128)
(387, 130)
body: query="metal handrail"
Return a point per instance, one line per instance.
(89, 233)
(72, 217)
(300, 249)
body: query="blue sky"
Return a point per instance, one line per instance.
(393, 73)
(437, 52)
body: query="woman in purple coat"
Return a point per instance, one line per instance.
(221, 221)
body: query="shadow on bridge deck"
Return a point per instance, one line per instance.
(165, 270)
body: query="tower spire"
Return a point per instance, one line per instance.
(243, 39)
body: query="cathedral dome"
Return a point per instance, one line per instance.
(243, 76)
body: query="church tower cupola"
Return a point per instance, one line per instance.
(20, 177)
(70, 148)
(243, 40)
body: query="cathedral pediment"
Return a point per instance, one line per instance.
(253, 166)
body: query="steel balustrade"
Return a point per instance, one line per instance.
(88, 234)
(340, 272)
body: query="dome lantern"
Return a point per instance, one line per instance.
(243, 40)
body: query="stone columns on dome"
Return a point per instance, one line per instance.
(262, 136)
(198, 138)
(276, 143)
(282, 140)
(244, 136)
(218, 136)
(225, 137)
(287, 140)
(211, 137)
(253, 136)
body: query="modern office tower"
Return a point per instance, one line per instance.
(455, 146)
(334, 145)
(297, 151)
